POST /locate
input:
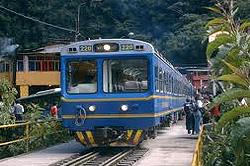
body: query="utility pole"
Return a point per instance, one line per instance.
(77, 31)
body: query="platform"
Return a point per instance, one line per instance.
(44, 157)
(172, 147)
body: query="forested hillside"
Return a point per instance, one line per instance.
(175, 27)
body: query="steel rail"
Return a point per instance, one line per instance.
(115, 159)
(83, 159)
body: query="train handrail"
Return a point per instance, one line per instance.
(26, 135)
(196, 161)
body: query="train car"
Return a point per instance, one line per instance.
(116, 92)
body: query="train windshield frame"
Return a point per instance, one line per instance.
(126, 75)
(82, 76)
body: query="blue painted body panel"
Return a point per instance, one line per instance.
(136, 107)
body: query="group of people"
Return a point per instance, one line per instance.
(17, 110)
(196, 113)
(193, 116)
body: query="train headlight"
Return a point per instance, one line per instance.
(92, 108)
(106, 47)
(124, 107)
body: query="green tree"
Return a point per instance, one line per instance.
(174, 27)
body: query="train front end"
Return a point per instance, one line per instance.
(106, 91)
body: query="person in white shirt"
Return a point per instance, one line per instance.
(19, 110)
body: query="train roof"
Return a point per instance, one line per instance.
(137, 47)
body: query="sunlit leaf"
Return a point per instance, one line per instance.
(244, 26)
(233, 78)
(219, 41)
(232, 116)
(216, 10)
(233, 68)
(231, 95)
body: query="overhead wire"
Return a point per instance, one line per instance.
(174, 8)
(36, 20)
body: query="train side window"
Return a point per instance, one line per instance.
(174, 84)
(177, 87)
(156, 79)
(161, 72)
(169, 83)
(165, 82)
(173, 88)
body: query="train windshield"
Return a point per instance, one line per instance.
(82, 77)
(125, 75)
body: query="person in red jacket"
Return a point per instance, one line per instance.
(216, 112)
(54, 110)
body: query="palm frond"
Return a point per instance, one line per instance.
(243, 27)
(233, 78)
(216, 22)
(213, 9)
(218, 29)
(232, 116)
(231, 95)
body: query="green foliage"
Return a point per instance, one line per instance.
(219, 41)
(43, 131)
(216, 148)
(230, 95)
(233, 78)
(232, 116)
(215, 10)
(239, 76)
(48, 133)
(33, 112)
(8, 96)
(228, 142)
(240, 138)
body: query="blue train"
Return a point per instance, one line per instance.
(116, 92)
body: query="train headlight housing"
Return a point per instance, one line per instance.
(106, 47)
(92, 108)
(124, 107)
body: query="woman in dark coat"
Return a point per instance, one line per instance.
(189, 116)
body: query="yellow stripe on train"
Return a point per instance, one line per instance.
(122, 99)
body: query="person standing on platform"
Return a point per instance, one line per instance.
(18, 111)
(54, 110)
(189, 116)
(197, 115)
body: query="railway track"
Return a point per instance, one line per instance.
(105, 157)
